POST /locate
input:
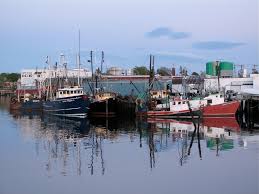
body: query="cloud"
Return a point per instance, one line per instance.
(167, 32)
(179, 57)
(180, 54)
(216, 45)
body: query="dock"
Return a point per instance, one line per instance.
(6, 92)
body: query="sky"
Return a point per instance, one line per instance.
(177, 32)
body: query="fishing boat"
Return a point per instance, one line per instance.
(103, 105)
(217, 107)
(26, 103)
(213, 105)
(69, 102)
(104, 102)
(176, 107)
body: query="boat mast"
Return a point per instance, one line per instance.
(92, 69)
(150, 72)
(78, 60)
(50, 76)
(218, 72)
(151, 77)
(102, 62)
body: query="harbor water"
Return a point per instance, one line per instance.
(45, 154)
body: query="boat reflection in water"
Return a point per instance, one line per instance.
(218, 133)
(86, 146)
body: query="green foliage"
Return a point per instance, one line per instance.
(164, 71)
(195, 73)
(9, 77)
(140, 70)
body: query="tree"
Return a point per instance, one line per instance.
(195, 73)
(164, 71)
(9, 77)
(140, 70)
(13, 77)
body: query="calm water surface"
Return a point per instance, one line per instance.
(42, 154)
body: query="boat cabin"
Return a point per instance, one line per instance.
(214, 99)
(69, 92)
(159, 94)
(182, 105)
(101, 96)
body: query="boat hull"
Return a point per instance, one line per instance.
(227, 109)
(26, 106)
(76, 106)
(15, 105)
(32, 105)
(104, 108)
(173, 114)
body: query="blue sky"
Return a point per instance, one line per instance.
(186, 32)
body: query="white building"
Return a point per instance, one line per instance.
(32, 77)
(254, 91)
(117, 71)
(29, 77)
(234, 84)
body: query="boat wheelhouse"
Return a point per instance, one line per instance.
(69, 92)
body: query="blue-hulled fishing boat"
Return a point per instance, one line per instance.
(69, 102)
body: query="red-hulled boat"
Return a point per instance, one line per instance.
(213, 105)
(226, 109)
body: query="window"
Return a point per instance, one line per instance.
(174, 103)
(183, 102)
(60, 92)
(221, 96)
(209, 101)
(72, 92)
(179, 102)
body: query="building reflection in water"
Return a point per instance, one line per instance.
(83, 142)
